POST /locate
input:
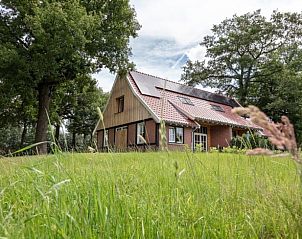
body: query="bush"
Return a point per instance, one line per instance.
(251, 141)
(234, 149)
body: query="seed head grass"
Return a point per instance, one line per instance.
(149, 195)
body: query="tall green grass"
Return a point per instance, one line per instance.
(149, 195)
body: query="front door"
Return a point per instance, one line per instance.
(121, 138)
(200, 142)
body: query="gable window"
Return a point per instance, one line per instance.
(140, 138)
(120, 104)
(106, 138)
(176, 135)
(185, 100)
(217, 108)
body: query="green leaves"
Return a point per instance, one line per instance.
(239, 49)
(255, 59)
(50, 43)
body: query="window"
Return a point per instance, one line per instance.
(179, 135)
(106, 138)
(217, 108)
(200, 142)
(120, 104)
(140, 133)
(172, 135)
(202, 130)
(185, 100)
(176, 135)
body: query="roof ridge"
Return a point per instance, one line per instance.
(182, 84)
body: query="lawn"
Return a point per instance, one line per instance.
(149, 195)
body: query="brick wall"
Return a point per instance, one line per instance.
(187, 139)
(220, 136)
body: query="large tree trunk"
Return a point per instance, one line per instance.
(42, 122)
(24, 132)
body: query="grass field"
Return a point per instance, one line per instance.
(149, 195)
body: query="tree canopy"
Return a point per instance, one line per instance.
(256, 60)
(46, 43)
(242, 49)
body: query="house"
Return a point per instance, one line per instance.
(193, 117)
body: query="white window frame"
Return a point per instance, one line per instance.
(173, 138)
(106, 132)
(172, 135)
(204, 144)
(140, 133)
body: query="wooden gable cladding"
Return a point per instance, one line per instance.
(133, 109)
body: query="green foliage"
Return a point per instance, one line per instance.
(150, 195)
(46, 43)
(239, 50)
(10, 138)
(75, 104)
(281, 95)
(234, 150)
(257, 60)
(250, 141)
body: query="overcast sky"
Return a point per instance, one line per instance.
(172, 29)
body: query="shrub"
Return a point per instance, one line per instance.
(251, 141)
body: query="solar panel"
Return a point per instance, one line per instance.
(148, 85)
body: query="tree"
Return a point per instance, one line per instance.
(256, 60)
(57, 40)
(239, 52)
(281, 95)
(17, 107)
(76, 105)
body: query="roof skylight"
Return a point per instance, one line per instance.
(217, 108)
(185, 100)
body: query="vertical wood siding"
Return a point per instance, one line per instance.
(133, 108)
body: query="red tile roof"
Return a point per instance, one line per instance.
(166, 105)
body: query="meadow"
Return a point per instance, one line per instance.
(149, 195)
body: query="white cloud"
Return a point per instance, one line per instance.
(105, 79)
(188, 21)
(172, 28)
(196, 53)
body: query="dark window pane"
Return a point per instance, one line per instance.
(179, 135)
(217, 108)
(185, 100)
(120, 104)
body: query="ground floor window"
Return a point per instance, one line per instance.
(176, 135)
(202, 130)
(200, 142)
(140, 139)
